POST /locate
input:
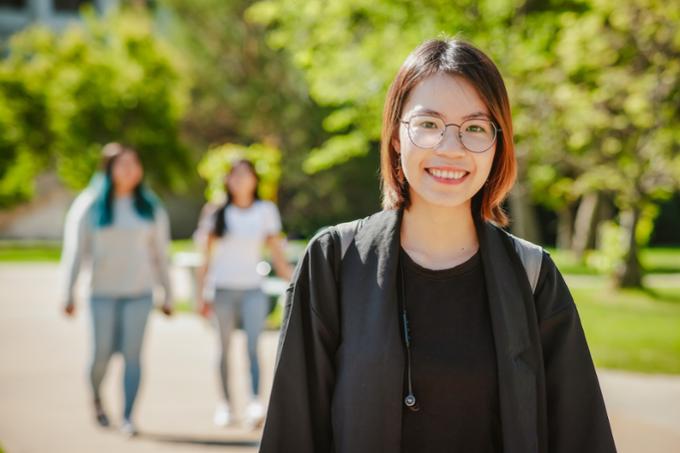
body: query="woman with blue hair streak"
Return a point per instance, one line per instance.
(118, 230)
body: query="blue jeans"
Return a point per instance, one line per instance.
(252, 306)
(118, 325)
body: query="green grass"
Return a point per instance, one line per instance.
(50, 251)
(635, 330)
(655, 260)
(661, 260)
(567, 262)
(23, 251)
(182, 245)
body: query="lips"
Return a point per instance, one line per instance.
(451, 175)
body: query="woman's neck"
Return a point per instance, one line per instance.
(439, 237)
(242, 202)
(123, 193)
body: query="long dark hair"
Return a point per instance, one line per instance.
(144, 201)
(220, 226)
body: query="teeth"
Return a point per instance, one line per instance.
(447, 174)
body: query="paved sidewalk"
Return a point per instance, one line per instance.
(44, 402)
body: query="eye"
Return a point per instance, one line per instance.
(426, 123)
(476, 128)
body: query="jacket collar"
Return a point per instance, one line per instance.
(377, 243)
(379, 235)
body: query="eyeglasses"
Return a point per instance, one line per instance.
(476, 135)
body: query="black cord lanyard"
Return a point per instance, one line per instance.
(410, 399)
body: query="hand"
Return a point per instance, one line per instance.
(166, 308)
(70, 310)
(205, 308)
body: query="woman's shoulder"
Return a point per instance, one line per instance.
(341, 233)
(345, 231)
(551, 293)
(82, 206)
(266, 205)
(379, 218)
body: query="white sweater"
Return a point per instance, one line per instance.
(127, 258)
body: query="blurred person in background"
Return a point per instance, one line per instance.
(118, 230)
(229, 284)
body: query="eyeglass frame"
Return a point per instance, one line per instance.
(460, 138)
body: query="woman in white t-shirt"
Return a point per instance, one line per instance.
(229, 282)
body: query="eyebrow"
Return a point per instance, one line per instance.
(440, 115)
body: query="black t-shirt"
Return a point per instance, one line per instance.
(453, 361)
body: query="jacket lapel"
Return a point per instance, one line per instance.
(516, 377)
(374, 381)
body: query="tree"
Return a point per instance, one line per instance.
(593, 85)
(246, 93)
(350, 50)
(620, 110)
(107, 79)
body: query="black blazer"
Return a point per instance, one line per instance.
(338, 385)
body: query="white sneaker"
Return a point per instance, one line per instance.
(254, 415)
(127, 428)
(222, 415)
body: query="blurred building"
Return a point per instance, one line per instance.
(18, 14)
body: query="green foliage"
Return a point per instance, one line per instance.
(595, 79)
(350, 51)
(341, 47)
(66, 95)
(611, 251)
(217, 162)
(246, 92)
(620, 109)
(24, 139)
(594, 85)
(243, 91)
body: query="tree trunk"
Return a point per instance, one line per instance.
(585, 224)
(524, 223)
(564, 227)
(629, 273)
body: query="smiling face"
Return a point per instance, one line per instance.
(242, 183)
(126, 172)
(447, 175)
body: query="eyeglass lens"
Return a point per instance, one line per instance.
(476, 135)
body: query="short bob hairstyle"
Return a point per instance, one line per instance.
(457, 58)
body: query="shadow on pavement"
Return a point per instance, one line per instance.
(190, 440)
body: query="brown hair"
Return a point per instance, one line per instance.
(457, 58)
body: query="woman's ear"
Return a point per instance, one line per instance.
(396, 144)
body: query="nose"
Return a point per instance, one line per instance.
(450, 143)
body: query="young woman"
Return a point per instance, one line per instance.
(229, 281)
(426, 327)
(121, 232)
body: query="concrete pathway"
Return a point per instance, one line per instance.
(44, 400)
